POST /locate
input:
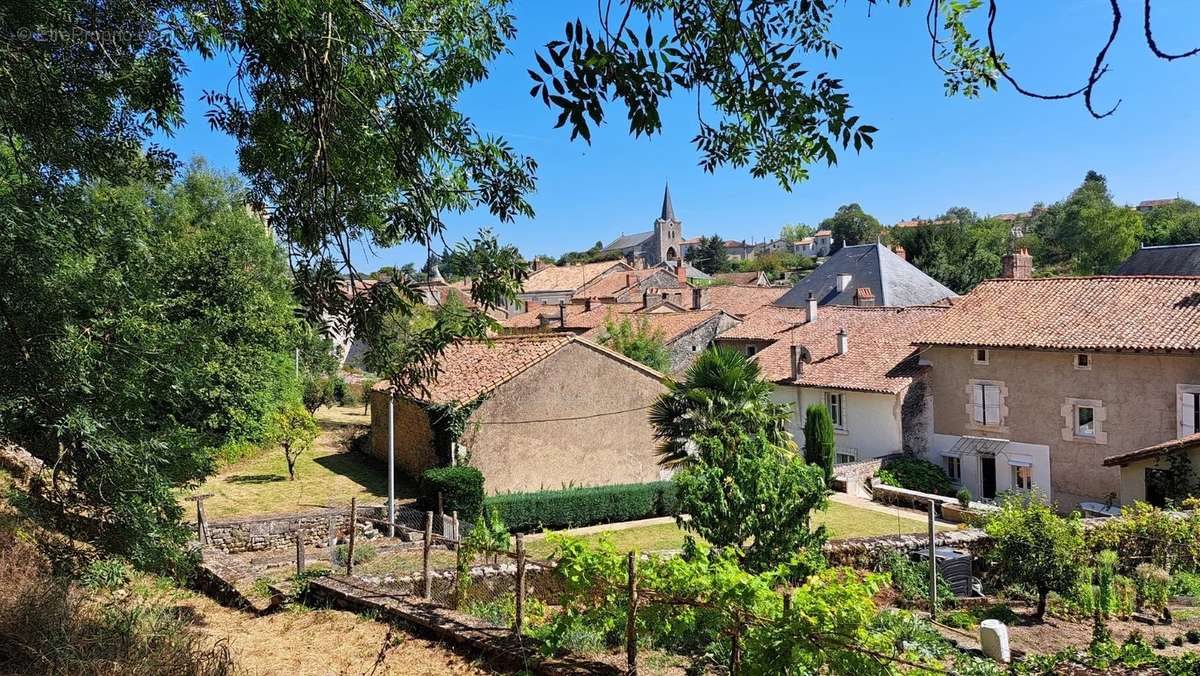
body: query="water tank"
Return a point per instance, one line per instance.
(954, 567)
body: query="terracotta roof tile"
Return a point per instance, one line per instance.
(470, 368)
(769, 322)
(671, 324)
(567, 277)
(880, 357)
(740, 300)
(1075, 313)
(1157, 450)
(577, 315)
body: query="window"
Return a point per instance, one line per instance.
(1187, 409)
(1022, 477)
(1083, 361)
(750, 350)
(841, 457)
(981, 356)
(1085, 421)
(985, 401)
(953, 465)
(835, 401)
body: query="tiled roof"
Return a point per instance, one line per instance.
(769, 322)
(577, 315)
(739, 300)
(671, 324)
(880, 357)
(823, 233)
(613, 283)
(1157, 450)
(1150, 204)
(470, 368)
(1076, 313)
(732, 244)
(746, 278)
(567, 277)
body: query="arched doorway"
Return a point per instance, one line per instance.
(671, 255)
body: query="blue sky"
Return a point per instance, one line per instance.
(999, 153)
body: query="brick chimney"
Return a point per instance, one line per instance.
(811, 308)
(899, 251)
(639, 262)
(864, 297)
(646, 300)
(630, 279)
(681, 272)
(843, 339)
(1017, 265)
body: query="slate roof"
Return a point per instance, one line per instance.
(891, 279)
(668, 210)
(692, 271)
(629, 241)
(880, 355)
(1157, 450)
(1109, 313)
(1172, 259)
(741, 300)
(568, 277)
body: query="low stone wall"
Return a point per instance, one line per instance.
(851, 477)
(256, 534)
(865, 553)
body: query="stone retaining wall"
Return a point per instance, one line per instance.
(235, 536)
(851, 477)
(865, 552)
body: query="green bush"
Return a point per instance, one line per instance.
(1153, 586)
(573, 507)
(916, 475)
(363, 552)
(910, 579)
(1186, 584)
(461, 489)
(964, 497)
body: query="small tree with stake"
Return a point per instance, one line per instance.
(1037, 547)
(819, 439)
(294, 431)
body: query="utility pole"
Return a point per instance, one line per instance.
(391, 464)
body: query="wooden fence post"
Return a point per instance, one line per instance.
(519, 621)
(353, 530)
(933, 609)
(735, 653)
(457, 537)
(427, 559)
(631, 619)
(331, 526)
(299, 552)
(201, 518)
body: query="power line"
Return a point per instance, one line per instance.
(565, 419)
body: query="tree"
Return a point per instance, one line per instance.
(1087, 230)
(142, 328)
(795, 232)
(294, 429)
(746, 492)
(722, 388)
(637, 340)
(1032, 545)
(850, 225)
(819, 440)
(709, 255)
(1177, 222)
(957, 248)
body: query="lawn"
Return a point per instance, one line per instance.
(842, 521)
(328, 474)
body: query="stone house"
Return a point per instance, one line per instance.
(550, 284)
(553, 410)
(1036, 382)
(858, 362)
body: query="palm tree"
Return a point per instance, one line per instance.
(722, 390)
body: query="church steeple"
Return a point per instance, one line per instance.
(668, 211)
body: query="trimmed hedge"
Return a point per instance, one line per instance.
(916, 474)
(461, 489)
(575, 507)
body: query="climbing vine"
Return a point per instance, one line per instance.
(449, 422)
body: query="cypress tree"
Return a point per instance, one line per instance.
(819, 439)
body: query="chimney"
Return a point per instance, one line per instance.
(899, 251)
(811, 306)
(843, 281)
(645, 300)
(681, 272)
(562, 314)
(538, 264)
(698, 299)
(587, 304)
(630, 279)
(639, 262)
(843, 339)
(1017, 265)
(795, 354)
(864, 297)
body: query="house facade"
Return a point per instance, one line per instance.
(1035, 382)
(554, 411)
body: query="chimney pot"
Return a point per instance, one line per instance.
(1017, 265)
(843, 341)
(811, 308)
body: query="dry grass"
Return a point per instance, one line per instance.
(322, 642)
(328, 474)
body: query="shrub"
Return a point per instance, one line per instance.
(339, 390)
(105, 574)
(1106, 566)
(819, 440)
(461, 489)
(964, 497)
(1192, 635)
(1160, 641)
(959, 619)
(1153, 586)
(1146, 533)
(916, 474)
(1186, 584)
(363, 552)
(910, 579)
(573, 507)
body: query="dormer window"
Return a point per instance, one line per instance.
(981, 357)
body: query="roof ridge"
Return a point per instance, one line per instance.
(1064, 278)
(1166, 246)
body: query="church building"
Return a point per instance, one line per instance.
(663, 243)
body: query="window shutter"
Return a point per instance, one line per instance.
(991, 401)
(1186, 413)
(977, 402)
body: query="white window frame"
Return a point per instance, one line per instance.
(955, 461)
(986, 356)
(837, 411)
(1080, 429)
(1187, 406)
(1087, 357)
(1070, 414)
(1015, 472)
